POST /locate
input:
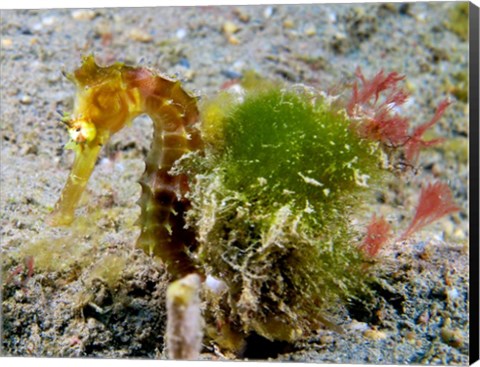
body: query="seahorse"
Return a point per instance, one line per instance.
(109, 98)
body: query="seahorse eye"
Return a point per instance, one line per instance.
(82, 131)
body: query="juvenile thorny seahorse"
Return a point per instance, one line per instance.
(107, 99)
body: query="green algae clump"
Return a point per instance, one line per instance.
(272, 209)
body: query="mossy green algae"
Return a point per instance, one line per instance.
(272, 208)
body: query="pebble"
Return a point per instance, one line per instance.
(268, 12)
(238, 65)
(358, 326)
(411, 87)
(459, 235)
(140, 35)
(37, 27)
(117, 18)
(420, 17)
(184, 62)
(447, 227)
(375, 334)
(188, 75)
(340, 42)
(310, 31)
(332, 17)
(25, 99)
(288, 23)
(233, 40)
(7, 42)
(181, 33)
(423, 318)
(216, 285)
(26, 31)
(452, 337)
(28, 149)
(83, 14)
(231, 74)
(48, 21)
(242, 16)
(436, 170)
(452, 294)
(229, 28)
(327, 340)
(411, 336)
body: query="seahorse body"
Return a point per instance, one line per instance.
(107, 99)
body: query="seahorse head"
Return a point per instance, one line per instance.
(104, 100)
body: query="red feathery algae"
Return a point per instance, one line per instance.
(375, 117)
(435, 202)
(378, 233)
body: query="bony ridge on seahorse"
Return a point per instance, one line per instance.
(107, 99)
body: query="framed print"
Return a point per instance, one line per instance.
(241, 182)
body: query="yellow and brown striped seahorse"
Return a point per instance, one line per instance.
(107, 99)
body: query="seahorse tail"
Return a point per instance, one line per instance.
(163, 202)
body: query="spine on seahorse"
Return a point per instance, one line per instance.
(107, 99)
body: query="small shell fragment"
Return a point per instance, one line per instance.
(288, 23)
(7, 42)
(452, 337)
(375, 334)
(140, 35)
(83, 14)
(310, 31)
(229, 28)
